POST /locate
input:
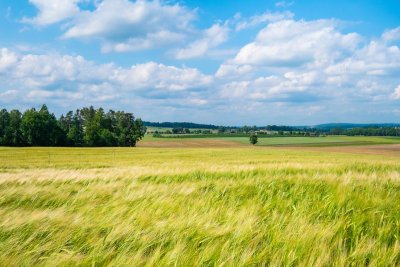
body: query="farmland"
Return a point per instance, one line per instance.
(237, 205)
(276, 141)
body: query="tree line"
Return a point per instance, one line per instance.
(182, 125)
(369, 131)
(84, 127)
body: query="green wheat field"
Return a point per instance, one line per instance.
(236, 206)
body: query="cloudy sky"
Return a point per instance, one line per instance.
(226, 62)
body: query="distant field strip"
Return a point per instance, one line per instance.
(271, 141)
(197, 207)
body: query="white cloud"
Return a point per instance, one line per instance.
(271, 87)
(120, 25)
(263, 18)
(51, 69)
(149, 41)
(233, 70)
(159, 76)
(7, 58)
(8, 95)
(374, 59)
(289, 62)
(211, 38)
(396, 93)
(301, 61)
(391, 35)
(72, 78)
(128, 26)
(293, 43)
(51, 11)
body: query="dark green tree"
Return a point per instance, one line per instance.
(40, 128)
(177, 130)
(10, 128)
(13, 132)
(85, 127)
(253, 139)
(4, 125)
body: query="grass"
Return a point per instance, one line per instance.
(197, 207)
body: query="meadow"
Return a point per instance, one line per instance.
(237, 206)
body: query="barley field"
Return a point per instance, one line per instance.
(236, 206)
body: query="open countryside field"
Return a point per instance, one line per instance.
(209, 140)
(209, 206)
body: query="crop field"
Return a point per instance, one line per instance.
(211, 206)
(271, 141)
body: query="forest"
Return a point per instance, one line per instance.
(84, 127)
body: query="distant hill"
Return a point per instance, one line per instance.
(190, 125)
(323, 127)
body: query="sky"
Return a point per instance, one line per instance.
(225, 62)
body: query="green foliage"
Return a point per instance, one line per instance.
(253, 139)
(84, 127)
(156, 134)
(10, 128)
(40, 128)
(177, 130)
(374, 131)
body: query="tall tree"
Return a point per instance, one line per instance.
(75, 133)
(4, 124)
(40, 128)
(13, 133)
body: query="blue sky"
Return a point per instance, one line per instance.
(226, 62)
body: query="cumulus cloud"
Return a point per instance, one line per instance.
(50, 11)
(233, 70)
(290, 44)
(278, 88)
(262, 19)
(72, 78)
(374, 59)
(7, 58)
(293, 43)
(289, 62)
(159, 76)
(120, 25)
(301, 61)
(391, 34)
(128, 26)
(211, 38)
